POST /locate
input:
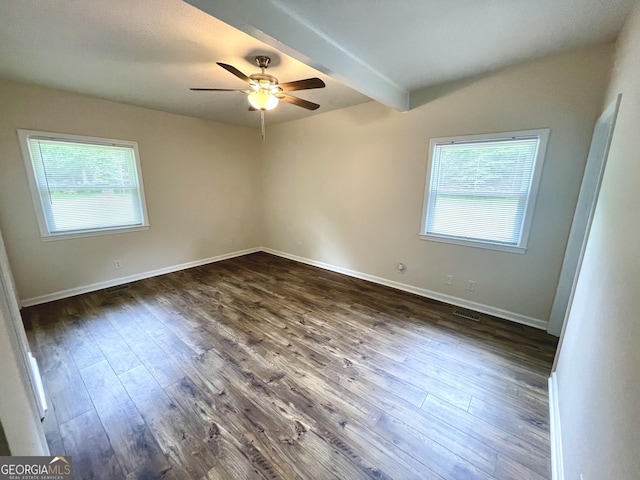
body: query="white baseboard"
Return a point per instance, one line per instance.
(557, 468)
(50, 297)
(459, 302)
(41, 399)
(557, 465)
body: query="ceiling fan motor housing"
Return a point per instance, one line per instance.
(264, 81)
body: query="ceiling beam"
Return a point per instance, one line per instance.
(289, 34)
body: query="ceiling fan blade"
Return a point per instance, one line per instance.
(299, 102)
(306, 84)
(235, 71)
(217, 89)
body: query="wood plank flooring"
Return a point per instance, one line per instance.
(262, 368)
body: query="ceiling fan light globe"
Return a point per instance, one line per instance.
(263, 100)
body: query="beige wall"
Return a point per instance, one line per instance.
(201, 181)
(346, 188)
(599, 361)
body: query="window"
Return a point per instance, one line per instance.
(82, 185)
(481, 189)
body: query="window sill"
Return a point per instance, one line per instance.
(92, 233)
(474, 243)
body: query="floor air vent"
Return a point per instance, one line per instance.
(470, 315)
(117, 288)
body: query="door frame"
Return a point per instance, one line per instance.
(581, 227)
(21, 403)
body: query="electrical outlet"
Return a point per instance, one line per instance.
(117, 264)
(402, 267)
(471, 285)
(448, 280)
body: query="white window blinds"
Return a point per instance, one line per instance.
(480, 190)
(84, 186)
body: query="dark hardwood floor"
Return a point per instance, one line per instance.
(263, 368)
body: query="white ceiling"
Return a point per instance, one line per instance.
(149, 52)
(425, 42)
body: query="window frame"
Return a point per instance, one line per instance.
(24, 136)
(521, 247)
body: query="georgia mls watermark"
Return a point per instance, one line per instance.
(35, 468)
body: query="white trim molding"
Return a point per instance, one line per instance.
(51, 224)
(50, 297)
(526, 204)
(441, 297)
(423, 292)
(557, 468)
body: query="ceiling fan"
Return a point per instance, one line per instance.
(265, 92)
